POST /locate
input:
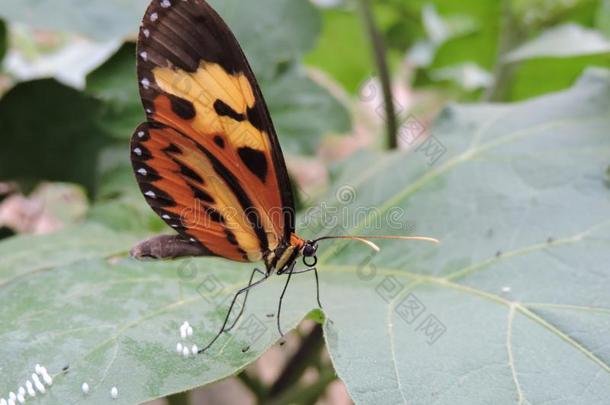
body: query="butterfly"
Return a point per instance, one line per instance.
(207, 159)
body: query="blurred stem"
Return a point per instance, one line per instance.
(511, 35)
(182, 398)
(310, 394)
(379, 53)
(308, 354)
(253, 384)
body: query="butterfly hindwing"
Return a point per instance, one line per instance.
(208, 160)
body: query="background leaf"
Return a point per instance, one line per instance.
(116, 85)
(539, 76)
(99, 20)
(563, 41)
(283, 32)
(350, 65)
(303, 111)
(602, 18)
(55, 125)
(480, 46)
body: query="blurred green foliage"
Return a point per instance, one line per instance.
(53, 127)
(454, 34)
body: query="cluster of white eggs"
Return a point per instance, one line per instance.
(182, 347)
(31, 387)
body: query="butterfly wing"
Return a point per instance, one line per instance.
(208, 160)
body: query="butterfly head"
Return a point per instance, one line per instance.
(309, 250)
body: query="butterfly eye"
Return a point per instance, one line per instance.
(309, 250)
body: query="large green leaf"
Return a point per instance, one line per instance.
(72, 245)
(525, 316)
(519, 285)
(115, 321)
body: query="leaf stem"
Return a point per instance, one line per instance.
(309, 394)
(380, 56)
(253, 384)
(181, 398)
(511, 35)
(308, 353)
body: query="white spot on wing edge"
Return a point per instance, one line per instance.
(165, 3)
(166, 216)
(143, 172)
(150, 194)
(154, 17)
(138, 151)
(141, 134)
(145, 83)
(144, 55)
(146, 32)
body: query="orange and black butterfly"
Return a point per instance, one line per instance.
(208, 160)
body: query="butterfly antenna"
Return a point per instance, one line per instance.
(366, 239)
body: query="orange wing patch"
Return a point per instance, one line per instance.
(199, 204)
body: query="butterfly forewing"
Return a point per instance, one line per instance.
(208, 161)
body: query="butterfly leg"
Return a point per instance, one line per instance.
(224, 324)
(279, 307)
(243, 306)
